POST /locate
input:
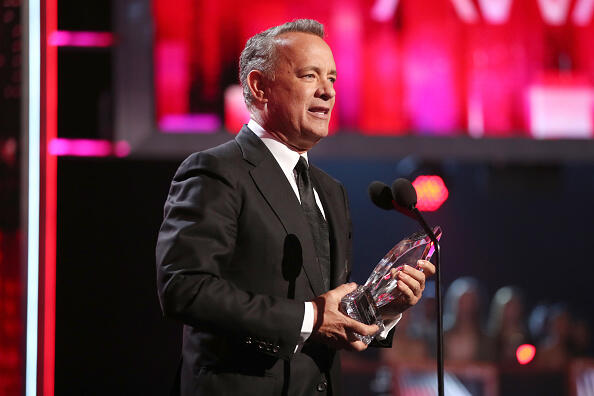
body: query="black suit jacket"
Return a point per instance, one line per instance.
(236, 260)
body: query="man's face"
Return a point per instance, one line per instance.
(301, 96)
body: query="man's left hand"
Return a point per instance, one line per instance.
(411, 283)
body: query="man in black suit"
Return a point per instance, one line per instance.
(255, 246)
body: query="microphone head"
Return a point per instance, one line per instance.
(404, 193)
(381, 195)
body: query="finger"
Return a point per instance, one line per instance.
(427, 267)
(351, 337)
(344, 289)
(413, 284)
(416, 274)
(361, 328)
(410, 296)
(358, 346)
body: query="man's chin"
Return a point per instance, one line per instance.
(317, 133)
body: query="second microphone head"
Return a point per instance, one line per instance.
(404, 193)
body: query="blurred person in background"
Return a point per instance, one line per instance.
(409, 346)
(537, 322)
(415, 336)
(553, 350)
(581, 337)
(464, 337)
(506, 324)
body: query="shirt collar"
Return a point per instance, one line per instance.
(286, 158)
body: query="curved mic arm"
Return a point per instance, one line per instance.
(407, 212)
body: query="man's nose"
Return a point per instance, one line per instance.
(326, 90)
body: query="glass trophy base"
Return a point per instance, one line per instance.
(360, 306)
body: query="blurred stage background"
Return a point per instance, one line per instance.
(496, 97)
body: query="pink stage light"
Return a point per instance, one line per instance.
(236, 112)
(384, 10)
(190, 123)
(87, 148)
(64, 38)
(121, 148)
(561, 109)
(466, 10)
(431, 192)
(525, 353)
(583, 12)
(346, 31)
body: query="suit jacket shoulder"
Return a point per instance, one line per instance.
(209, 265)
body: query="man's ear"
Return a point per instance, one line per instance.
(257, 83)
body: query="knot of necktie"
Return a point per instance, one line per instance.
(301, 167)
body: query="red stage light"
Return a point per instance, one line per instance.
(525, 353)
(431, 192)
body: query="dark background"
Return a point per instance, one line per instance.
(524, 225)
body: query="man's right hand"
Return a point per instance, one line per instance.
(334, 328)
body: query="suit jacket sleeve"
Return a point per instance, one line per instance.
(195, 242)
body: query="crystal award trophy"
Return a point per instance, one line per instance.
(365, 302)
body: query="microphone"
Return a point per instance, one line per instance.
(404, 194)
(381, 195)
(404, 199)
(384, 198)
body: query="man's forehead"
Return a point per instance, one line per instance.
(302, 47)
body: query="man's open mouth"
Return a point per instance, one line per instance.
(319, 111)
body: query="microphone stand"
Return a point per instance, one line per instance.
(429, 231)
(403, 198)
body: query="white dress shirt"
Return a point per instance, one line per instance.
(287, 159)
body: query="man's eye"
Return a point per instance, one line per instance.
(332, 79)
(309, 76)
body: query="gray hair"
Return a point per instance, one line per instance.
(260, 50)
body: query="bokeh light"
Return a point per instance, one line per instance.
(431, 192)
(525, 353)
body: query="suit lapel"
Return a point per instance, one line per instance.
(276, 190)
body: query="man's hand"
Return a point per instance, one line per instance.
(334, 328)
(411, 283)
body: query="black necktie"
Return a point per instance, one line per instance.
(317, 223)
